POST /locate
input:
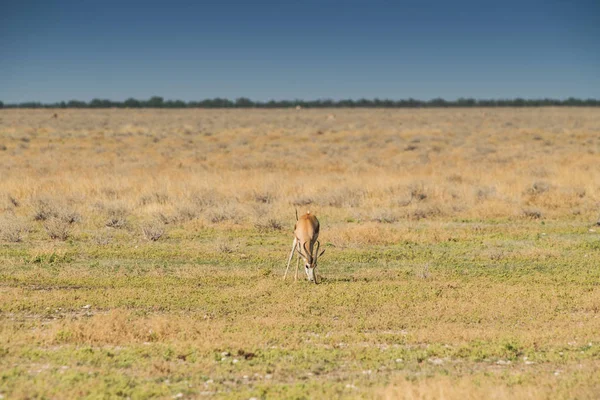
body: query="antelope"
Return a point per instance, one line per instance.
(306, 233)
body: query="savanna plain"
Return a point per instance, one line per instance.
(142, 253)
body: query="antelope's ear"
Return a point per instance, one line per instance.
(322, 253)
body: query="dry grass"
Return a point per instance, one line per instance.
(525, 163)
(153, 230)
(461, 262)
(57, 228)
(13, 229)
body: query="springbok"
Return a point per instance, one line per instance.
(306, 233)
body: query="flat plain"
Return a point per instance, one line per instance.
(142, 253)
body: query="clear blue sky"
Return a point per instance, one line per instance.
(62, 50)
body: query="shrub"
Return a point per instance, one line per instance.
(186, 213)
(425, 212)
(157, 197)
(485, 192)
(227, 246)
(102, 239)
(266, 197)
(116, 222)
(153, 231)
(532, 213)
(417, 192)
(538, 188)
(271, 224)
(385, 217)
(222, 214)
(12, 229)
(45, 209)
(343, 197)
(302, 201)
(57, 228)
(117, 216)
(182, 214)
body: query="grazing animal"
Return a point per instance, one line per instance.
(306, 233)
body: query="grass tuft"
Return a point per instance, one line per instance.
(57, 228)
(153, 231)
(13, 229)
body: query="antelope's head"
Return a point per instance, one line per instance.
(311, 263)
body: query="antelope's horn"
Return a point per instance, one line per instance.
(299, 252)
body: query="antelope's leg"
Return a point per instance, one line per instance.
(290, 258)
(297, 265)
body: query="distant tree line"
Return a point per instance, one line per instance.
(243, 102)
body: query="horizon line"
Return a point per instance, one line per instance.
(245, 102)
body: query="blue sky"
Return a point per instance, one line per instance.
(62, 50)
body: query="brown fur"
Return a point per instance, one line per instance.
(306, 232)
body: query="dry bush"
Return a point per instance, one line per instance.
(69, 216)
(103, 238)
(57, 228)
(116, 222)
(166, 218)
(268, 224)
(224, 247)
(153, 230)
(340, 197)
(117, 216)
(224, 213)
(8, 202)
(418, 192)
(423, 212)
(264, 197)
(227, 246)
(302, 200)
(185, 213)
(180, 215)
(154, 198)
(485, 192)
(532, 213)
(12, 229)
(47, 208)
(455, 178)
(385, 217)
(538, 188)
(44, 209)
(207, 198)
(423, 272)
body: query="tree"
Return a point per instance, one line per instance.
(438, 102)
(244, 102)
(462, 102)
(76, 104)
(155, 102)
(132, 103)
(98, 103)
